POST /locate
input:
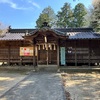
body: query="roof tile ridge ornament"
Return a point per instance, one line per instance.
(45, 24)
(26, 32)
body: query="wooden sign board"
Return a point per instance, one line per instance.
(26, 51)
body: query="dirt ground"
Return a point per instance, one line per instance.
(82, 86)
(8, 80)
(37, 86)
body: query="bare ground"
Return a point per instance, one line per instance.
(82, 86)
(37, 86)
(8, 80)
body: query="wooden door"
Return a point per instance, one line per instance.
(52, 57)
(47, 57)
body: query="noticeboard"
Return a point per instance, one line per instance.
(26, 51)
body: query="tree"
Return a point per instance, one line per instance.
(65, 16)
(88, 16)
(95, 22)
(3, 29)
(79, 15)
(48, 16)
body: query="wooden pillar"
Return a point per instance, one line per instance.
(37, 55)
(9, 55)
(99, 49)
(34, 55)
(21, 58)
(75, 53)
(20, 61)
(65, 53)
(58, 54)
(89, 60)
(47, 56)
(33, 43)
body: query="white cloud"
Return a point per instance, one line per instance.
(13, 5)
(34, 4)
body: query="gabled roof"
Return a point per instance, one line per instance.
(47, 29)
(71, 33)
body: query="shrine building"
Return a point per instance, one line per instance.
(47, 46)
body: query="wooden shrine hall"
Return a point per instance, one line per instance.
(46, 46)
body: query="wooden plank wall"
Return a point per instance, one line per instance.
(82, 52)
(10, 53)
(77, 52)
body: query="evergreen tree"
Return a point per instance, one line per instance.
(95, 22)
(48, 16)
(65, 16)
(79, 15)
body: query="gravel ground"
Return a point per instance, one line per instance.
(82, 86)
(38, 86)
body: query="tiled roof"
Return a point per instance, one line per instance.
(63, 30)
(75, 29)
(12, 36)
(83, 35)
(47, 29)
(75, 33)
(21, 30)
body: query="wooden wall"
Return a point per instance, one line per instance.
(10, 53)
(77, 52)
(80, 52)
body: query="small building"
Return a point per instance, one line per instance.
(46, 46)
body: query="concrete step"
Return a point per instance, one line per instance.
(51, 68)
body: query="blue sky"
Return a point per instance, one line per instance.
(24, 13)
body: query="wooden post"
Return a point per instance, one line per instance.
(47, 57)
(89, 53)
(9, 55)
(37, 55)
(20, 61)
(47, 53)
(65, 53)
(75, 54)
(33, 55)
(33, 52)
(58, 54)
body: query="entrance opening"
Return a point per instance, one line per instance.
(47, 55)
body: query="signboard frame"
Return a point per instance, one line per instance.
(26, 51)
